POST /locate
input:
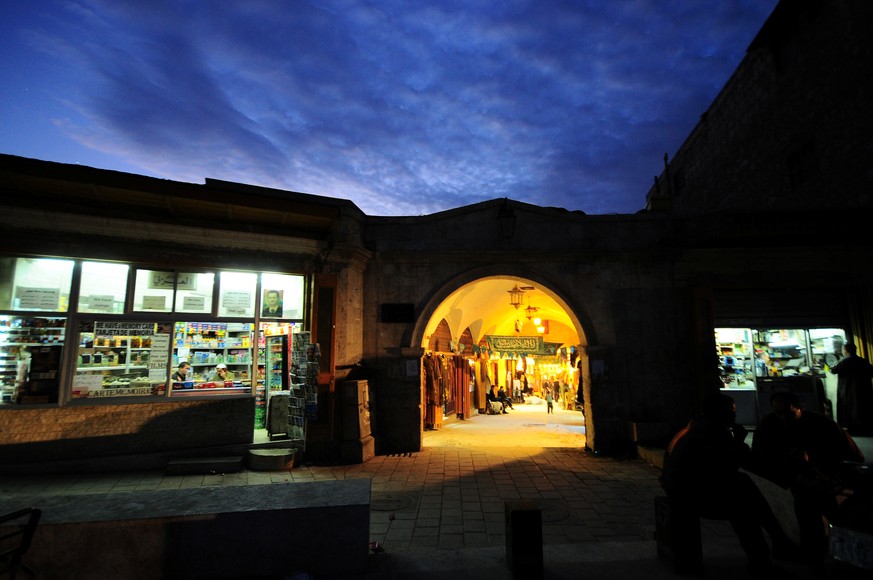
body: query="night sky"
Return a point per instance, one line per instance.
(405, 108)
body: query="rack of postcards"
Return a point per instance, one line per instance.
(303, 395)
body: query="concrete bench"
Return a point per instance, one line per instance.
(269, 530)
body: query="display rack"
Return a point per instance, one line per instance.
(206, 344)
(303, 391)
(117, 359)
(18, 333)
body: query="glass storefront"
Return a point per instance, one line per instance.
(129, 329)
(756, 362)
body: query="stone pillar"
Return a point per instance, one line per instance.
(524, 538)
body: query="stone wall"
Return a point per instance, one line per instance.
(615, 274)
(66, 433)
(785, 133)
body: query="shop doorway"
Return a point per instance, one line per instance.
(502, 336)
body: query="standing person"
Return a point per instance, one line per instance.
(854, 392)
(702, 474)
(550, 401)
(181, 375)
(806, 452)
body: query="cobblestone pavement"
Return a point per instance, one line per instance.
(443, 506)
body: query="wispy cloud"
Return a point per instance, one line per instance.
(404, 108)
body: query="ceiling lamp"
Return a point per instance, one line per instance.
(530, 311)
(515, 296)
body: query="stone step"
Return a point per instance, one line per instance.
(204, 465)
(278, 459)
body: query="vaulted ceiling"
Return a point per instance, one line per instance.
(484, 307)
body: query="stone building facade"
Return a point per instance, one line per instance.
(761, 218)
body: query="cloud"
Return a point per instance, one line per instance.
(404, 108)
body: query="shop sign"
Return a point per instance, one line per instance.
(169, 280)
(102, 302)
(119, 392)
(236, 302)
(37, 298)
(154, 302)
(515, 344)
(125, 328)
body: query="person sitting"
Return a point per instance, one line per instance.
(501, 396)
(809, 454)
(181, 375)
(702, 475)
(494, 407)
(221, 374)
(498, 404)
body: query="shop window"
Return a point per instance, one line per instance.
(103, 288)
(194, 292)
(219, 355)
(154, 291)
(35, 284)
(237, 294)
(281, 296)
(30, 355)
(122, 359)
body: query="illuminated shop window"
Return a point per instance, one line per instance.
(237, 294)
(122, 358)
(103, 288)
(194, 292)
(30, 359)
(281, 296)
(36, 284)
(154, 291)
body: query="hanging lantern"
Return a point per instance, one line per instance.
(515, 296)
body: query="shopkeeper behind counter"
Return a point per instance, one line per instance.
(221, 374)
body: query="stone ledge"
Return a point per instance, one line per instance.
(220, 532)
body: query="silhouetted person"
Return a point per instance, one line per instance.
(701, 472)
(807, 453)
(492, 397)
(501, 396)
(854, 392)
(550, 401)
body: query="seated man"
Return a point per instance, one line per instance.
(495, 404)
(221, 374)
(702, 474)
(807, 453)
(501, 396)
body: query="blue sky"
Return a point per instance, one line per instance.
(405, 108)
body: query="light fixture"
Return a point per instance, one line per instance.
(530, 311)
(515, 296)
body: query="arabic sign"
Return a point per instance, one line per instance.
(529, 345)
(516, 344)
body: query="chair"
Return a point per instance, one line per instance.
(16, 534)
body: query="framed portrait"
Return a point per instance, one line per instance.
(271, 303)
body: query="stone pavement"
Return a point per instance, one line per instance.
(440, 512)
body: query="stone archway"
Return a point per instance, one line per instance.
(481, 306)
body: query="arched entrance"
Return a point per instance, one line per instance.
(502, 332)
